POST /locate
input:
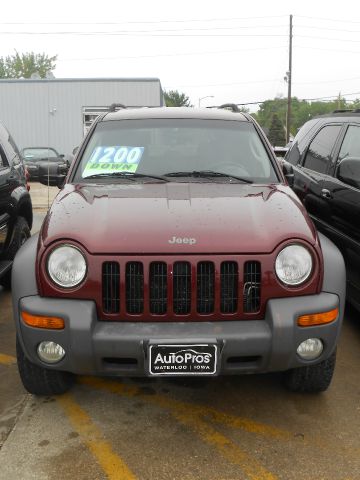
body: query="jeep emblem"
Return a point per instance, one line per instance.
(182, 240)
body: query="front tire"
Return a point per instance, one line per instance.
(20, 235)
(41, 381)
(312, 378)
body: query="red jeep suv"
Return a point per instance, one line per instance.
(176, 247)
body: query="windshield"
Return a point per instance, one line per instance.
(175, 146)
(34, 154)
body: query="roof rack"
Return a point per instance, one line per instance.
(116, 106)
(347, 110)
(230, 106)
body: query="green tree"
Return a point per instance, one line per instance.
(276, 132)
(25, 64)
(173, 98)
(301, 111)
(269, 108)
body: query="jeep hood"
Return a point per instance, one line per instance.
(194, 217)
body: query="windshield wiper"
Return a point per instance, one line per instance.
(129, 175)
(206, 174)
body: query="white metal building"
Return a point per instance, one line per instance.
(57, 112)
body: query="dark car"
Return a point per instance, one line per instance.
(176, 247)
(326, 160)
(35, 156)
(15, 205)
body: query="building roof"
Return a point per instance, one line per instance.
(73, 80)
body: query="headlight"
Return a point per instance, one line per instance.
(293, 265)
(66, 266)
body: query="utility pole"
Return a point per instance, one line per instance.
(289, 80)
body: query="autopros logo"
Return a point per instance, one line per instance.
(167, 359)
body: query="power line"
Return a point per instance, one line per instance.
(329, 19)
(140, 22)
(316, 27)
(327, 49)
(329, 97)
(167, 30)
(192, 29)
(213, 52)
(328, 38)
(301, 99)
(223, 84)
(142, 34)
(328, 81)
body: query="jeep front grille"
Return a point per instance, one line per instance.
(229, 287)
(111, 287)
(134, 287)
(205, 287)
(159, 288)
(252, 286)
(181, 288)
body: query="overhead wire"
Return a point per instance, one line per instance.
(143, 34)
(184, 32)
(309, 47)
(328, 38)
(302, 99)
(338, 20)
(130, 22)
(212, 52)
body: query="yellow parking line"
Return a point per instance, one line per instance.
(216, 416)
(190, 415)
(7, 359)
(114, 467)
(245, 424)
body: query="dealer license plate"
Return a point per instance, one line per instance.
(199, 359)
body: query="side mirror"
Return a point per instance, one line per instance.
(74, 152)
(62, 155)
(51, 174)
(288, 172)
(348, 171)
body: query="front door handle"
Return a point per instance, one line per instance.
(325, 193)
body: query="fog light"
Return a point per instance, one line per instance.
(50, 352)
(310, 349)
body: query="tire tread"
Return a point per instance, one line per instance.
(312, 378)
(41, 381)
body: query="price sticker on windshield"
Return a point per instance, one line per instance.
(108, 159)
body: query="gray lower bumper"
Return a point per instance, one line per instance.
(116, 348)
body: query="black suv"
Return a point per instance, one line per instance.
(15, 205)
(325, 155)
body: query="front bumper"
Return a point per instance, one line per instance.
(121, 348)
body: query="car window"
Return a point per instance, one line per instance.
(351, 144)
(299, 143)
(160, 146)
(13, 151)
(34, 154)
(3, 160)
(318, 155)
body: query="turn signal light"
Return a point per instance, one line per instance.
(318, 318)
(54, 323)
